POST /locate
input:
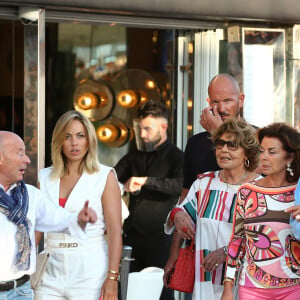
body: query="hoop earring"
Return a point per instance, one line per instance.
(289, 169)
(247, 163)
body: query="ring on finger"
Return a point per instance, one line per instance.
(184, 229)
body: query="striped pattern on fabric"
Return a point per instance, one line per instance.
(218, 205)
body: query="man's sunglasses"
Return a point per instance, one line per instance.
(230, 145)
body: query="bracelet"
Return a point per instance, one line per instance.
(225, 248)
(228, 280)
(113, 278)
(174, 211)
(113, 272)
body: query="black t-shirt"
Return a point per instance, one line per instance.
(150, 206)
(199, 157)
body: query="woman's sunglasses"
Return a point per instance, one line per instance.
(221, 143)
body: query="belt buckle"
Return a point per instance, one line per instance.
(68, 245)
(15, 284)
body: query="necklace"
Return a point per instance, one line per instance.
(239, 182)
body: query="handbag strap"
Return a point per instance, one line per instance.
(189, 244)
(205, 197)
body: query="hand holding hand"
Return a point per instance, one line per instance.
(210, 120)
(86, 215)
(134, 184)
(184, 225)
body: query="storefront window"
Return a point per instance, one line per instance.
(12, 76)
(106, 72)
(264, 69)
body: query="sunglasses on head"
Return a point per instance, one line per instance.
(221, 143)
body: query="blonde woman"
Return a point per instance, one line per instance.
(77, 270)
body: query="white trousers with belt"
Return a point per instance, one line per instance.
(76, 270)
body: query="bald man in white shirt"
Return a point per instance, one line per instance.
(23, 209)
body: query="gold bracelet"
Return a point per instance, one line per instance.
(113, 272)
(112, 278)
(228, 280)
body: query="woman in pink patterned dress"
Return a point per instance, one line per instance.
(262, 243)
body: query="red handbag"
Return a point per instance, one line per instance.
(181, 277)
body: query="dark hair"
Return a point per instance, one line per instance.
(290, 139)
(244, 135)
(153, 108)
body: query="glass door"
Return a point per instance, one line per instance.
(197, 63)
(264, 76)
(185, 93)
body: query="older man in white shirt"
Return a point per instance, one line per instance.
(23, 210)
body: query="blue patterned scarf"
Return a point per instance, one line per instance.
(15, 207)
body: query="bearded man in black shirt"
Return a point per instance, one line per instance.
(153, 177)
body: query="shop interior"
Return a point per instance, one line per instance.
(107, 71)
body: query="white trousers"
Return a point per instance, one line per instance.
(75, 271)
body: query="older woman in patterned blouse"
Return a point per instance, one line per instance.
(206, 214)
(262, 243)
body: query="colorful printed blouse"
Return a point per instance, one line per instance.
(262, 239)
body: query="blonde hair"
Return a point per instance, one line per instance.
(90, 162)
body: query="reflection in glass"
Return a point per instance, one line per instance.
(100, 51)
(295, 54)
(114, 133)
(264, 75)
(89, 65)
(297, 96)
(90, 101)
(128, 98)
(108, 133)
(94, 99)
(150, 84)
